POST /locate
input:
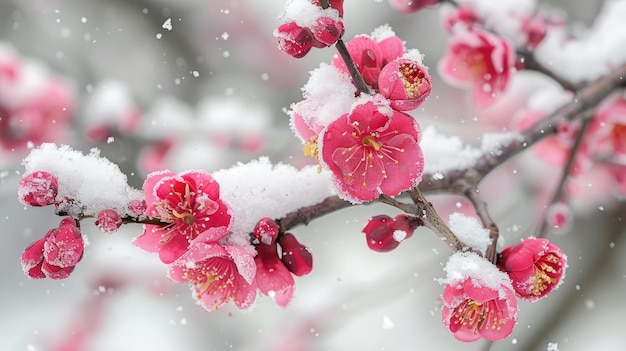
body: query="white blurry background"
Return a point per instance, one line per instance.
(118, 297)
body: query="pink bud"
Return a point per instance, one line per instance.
(535, 29)
(410, 6)
(327, 31)
(559, 216)
(535, 266)
(108, 221)
(266, 231)
(384, 233)
(32, 259)
(137, 207)
(294, 40)
(405, 82)
(296, 257)
(64, 247)
(38, 189)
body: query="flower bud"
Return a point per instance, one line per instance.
(32, 258)
(405, 82)
(64, 247)
(535, 266)
(384, 233)
(266, 231)
(108, 221)
(294, 40)
(296, 257)
(327, 31)
(38, 189)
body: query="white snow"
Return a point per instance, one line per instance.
(305, 13)
(443, 153)
(260, 189)
(463, 265)
(470, 231)
(92, 181)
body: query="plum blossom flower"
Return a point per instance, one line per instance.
(218, 274)
(272, 277)
(370, 153)
(472, 310)
(38, 189)
(296, 257)
(56, 254)
(370, 56)
(607, 132)
(480, 60)
(189, 204)
(405, 82)
(384, 233)
(536, 267)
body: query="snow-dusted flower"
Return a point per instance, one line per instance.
(189, 203)
(384, 233)
(108, 221)
(56, 254)
(479, 60)
(410, 6)
(272, 277)
(472, 310)
(218, 274)
(370, 56)
(370, 153)
(536, 267)
(38, 189)
(607, 132)
(296, 257)
(405, 82)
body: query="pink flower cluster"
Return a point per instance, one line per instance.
(193, 226)
(482, 304)
(315, 27)
(369, 143)
(35, 106)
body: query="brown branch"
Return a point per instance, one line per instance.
(480, 206)
(307, 214)
(530, 63)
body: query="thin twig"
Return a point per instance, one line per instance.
(567, 170)
(357, 78)
(530, 62)
(480, 206)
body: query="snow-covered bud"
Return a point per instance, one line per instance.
(536, 267)
(108, 221)
(137, 207)
(294, 40)
(266, 231)
(384, 233)
(405, 82)
(38, 189)
(296, 257)
(32, 258)
(334, 4)
(326, 31)
(64, 246)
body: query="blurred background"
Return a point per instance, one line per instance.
(200, 84)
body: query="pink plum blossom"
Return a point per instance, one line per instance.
(405, 82)
(38, 189)
(536, 267)
(188, 204)
(384, 233)
(370, 153)
(559, 216)
(461, 18)
(296, 257)
(607, 132)
(479, 60)
(370, 56)
(272, 277)
(218, 274)
(472, 311)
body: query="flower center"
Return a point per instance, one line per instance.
(369, 140)
(412, 77)
(187, 217)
